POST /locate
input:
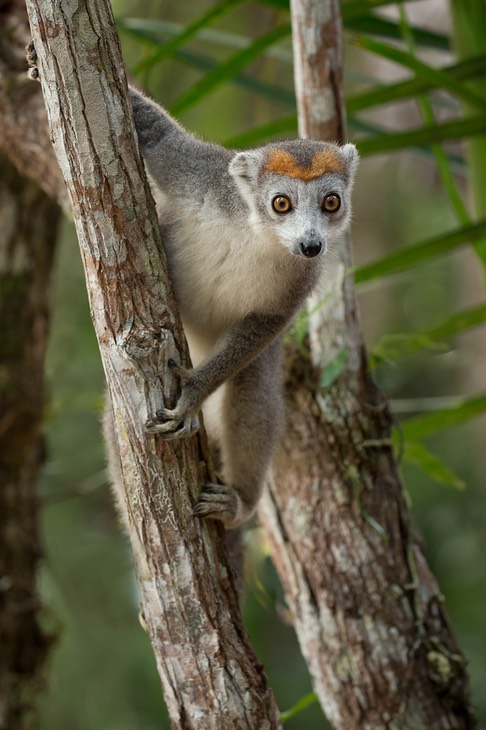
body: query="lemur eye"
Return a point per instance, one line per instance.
(281, 204)
(331, 203)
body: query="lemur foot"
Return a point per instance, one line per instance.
(220, 502)
(31, 56)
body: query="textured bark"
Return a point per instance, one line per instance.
(29, 222)
(210, 676)
(368, 613)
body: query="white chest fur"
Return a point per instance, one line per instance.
(222, 272)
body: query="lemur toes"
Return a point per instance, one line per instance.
(31, 56)
(219, 502)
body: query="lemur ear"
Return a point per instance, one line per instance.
(351, 156)
(245, 165)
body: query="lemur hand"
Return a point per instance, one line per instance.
(174, 423)
(31, 56)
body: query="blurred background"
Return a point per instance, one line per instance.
(423, 318)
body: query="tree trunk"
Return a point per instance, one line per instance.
(29, 222)
(368, 613)
(210, 676)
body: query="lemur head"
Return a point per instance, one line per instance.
(299, 190)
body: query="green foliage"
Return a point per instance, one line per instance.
(228, 69)
(416, 254)
(429, 423)
(393, 347)
(302, 704)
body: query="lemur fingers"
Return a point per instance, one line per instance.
(31, 56)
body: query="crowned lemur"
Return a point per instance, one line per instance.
(245, 235)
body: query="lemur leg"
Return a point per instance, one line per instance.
(252, 419)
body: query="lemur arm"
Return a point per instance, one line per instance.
(236, 349)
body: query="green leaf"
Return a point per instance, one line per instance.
(189, 31)
(410, 256)
(280, 4)
(424, 136)
(227, 69)
(156, 32)
(419, 427)
(392, 93)
(334, 369)
(459, 322)
(418, 454)
(357, 8)
(395, 346)
(302, 704)
(423, 70)
(373, 25)
(144, 30)
(271, 92)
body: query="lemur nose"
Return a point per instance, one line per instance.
(311, 249)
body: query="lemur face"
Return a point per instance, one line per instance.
(300, 191)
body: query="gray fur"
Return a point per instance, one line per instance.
(239, 275)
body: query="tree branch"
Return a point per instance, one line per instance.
(210, 676)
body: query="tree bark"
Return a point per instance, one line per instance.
(210, 676)
(368, 613)
(29, 222)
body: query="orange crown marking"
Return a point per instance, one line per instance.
(282, 162)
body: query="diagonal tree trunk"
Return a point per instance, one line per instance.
(368, 613)
(28, 222)
(210, 676)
